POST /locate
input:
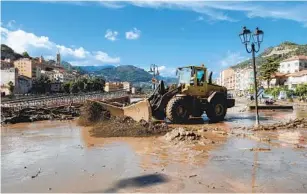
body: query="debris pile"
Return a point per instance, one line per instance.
(38, 114)
(127, 127)
(105, 125)
(291, 124)
(181, 134)
(92, 112)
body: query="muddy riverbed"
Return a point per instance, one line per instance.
(60, 156)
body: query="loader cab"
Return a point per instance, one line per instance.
(194, 80)
(192, 75)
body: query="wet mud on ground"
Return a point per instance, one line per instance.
(55, 156)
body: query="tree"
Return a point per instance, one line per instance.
(26, 54)
(267, 69)
(11, 87)
(66, 87)
(42, 85)
(81, 85)
(301, 90)
(98, 84)
(74, 88)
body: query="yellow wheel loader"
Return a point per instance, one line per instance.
(194, 95)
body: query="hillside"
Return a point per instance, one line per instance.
(8, 53)
(128, 73)
(93, 69)
(281, 52)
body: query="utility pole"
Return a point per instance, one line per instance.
(154, 69)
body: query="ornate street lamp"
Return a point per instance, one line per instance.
(154, 69)
(257, 37)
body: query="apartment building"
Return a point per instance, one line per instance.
(8, 75)
(28, 67)
(293, 64)
(227, 78)
(243, 79)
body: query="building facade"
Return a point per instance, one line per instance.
(293, 64)
(28, 67)
(295, 79)
(6, 64)
(227, 78)
(243, 79)
(7, 76)
(24, 84)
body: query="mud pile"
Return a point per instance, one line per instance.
(105, 125)
(292, 124)
(92, 113)
(38, 114)
(181, 134)
(127, 127)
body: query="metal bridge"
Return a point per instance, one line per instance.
(53, 101)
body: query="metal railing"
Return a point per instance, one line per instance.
(53, 101)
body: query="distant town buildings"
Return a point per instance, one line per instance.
(291, 72)
(6, 64)
(114, 86)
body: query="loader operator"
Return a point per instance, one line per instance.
(200, 78)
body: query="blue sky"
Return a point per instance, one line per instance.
(166, 33)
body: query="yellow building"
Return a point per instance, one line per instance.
(28, 67)
(227, 78)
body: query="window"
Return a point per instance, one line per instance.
(288, 64)
(306, 65)
(296, 64)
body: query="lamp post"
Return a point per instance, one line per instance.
(257, 38)
(154, 69)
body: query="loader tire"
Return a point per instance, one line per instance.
(177, 110)
(217, 109)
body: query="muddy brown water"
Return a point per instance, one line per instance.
(66, 158)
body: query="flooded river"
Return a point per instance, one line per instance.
(55, 156)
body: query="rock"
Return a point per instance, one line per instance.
(181, 134)
(260, 149)
(192, 175)
(50, 189)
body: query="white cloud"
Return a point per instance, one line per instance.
(112, 5)
(133, 34)
(231, 58)
(78, 53)
(11, 24)
(105, 58)
(35, 45)
(22, 41)
(217, 11)
(167, 71)
(111, 35)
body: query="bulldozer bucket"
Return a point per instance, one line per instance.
(138, 111)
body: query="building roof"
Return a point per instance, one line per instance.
(278, 74)
(298, 74)
(299, 57)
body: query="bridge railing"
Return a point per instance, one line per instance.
(61, 100)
